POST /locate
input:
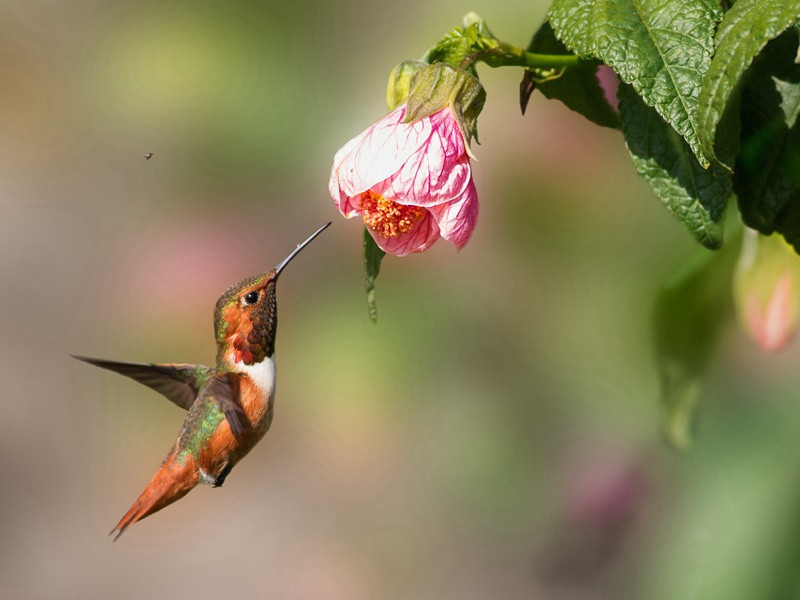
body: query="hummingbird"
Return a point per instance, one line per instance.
(229, 406)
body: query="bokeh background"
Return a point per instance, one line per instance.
(495, 435)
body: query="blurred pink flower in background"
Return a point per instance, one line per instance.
(609, 82)
(767, 289)
(773, 324)
(605, 492)
(411, 183)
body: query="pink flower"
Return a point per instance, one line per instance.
(411, 183)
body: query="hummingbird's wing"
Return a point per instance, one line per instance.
(224, 389)
(178, 382)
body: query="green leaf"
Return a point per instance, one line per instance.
(695, 195)
(472, 19)
(373, 256)
(767, 177)
(689, 312)
(577, 88)
(461, 43)
(457, 44)
(662, 49)
(745, 30)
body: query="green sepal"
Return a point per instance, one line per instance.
(440, 85)
(373, 256)
(400, 82)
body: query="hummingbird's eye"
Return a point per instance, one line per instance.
(251, 298)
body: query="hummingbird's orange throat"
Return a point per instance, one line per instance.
(386, 217)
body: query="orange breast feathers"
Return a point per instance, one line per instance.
(256, 401)
(223, 448)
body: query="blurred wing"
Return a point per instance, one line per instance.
(179, 383)
(221, 388)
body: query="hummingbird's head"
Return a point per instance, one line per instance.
(246, 315)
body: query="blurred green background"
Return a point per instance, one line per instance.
(494, 436)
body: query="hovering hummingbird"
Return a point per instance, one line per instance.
(229, 406)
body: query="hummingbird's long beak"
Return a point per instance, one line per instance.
(277, 270)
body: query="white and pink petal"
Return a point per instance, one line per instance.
(429, 178)
(457, 219)
(420, 237)
(347, 205)
(381, 152)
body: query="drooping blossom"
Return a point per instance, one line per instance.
(411, 183)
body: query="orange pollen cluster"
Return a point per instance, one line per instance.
(387, 218)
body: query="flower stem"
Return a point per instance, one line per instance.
(507, 55)
(553, 61)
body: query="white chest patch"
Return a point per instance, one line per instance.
(262, 374)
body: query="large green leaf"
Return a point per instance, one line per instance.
(745, 30)
(662, 49)
(767, 178)
(577, 88)
(695, 195)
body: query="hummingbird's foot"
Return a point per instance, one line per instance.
(220, 479)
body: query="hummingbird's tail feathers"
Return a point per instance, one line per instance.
(180, 383)
(173, 480)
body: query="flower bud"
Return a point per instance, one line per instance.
(767, 289)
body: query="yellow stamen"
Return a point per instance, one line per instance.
(386, 217)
